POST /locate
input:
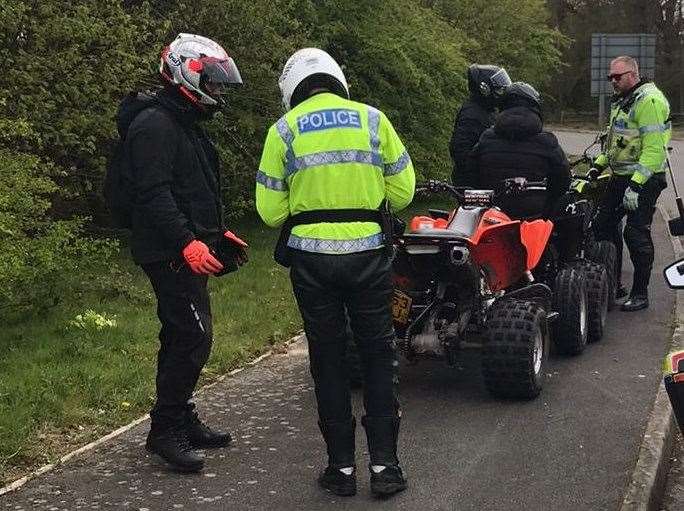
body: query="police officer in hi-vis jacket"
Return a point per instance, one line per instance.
(327, 166)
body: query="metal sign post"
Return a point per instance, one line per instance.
(604, 48)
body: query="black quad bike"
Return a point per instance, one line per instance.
(463, 280)
(591, 187)
(580, 271)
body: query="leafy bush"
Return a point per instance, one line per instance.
(37, 251)
(515, 34)
(67, 63)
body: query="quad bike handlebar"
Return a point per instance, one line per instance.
(590, 154)
(481, 197)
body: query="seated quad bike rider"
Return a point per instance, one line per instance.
(518, 146)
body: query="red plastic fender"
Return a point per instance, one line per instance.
(535, 236)
(427, 222)
(500, 254)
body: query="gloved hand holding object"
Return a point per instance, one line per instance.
(231, 252)
(200, 260)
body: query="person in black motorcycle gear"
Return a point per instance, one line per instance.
(177, 230)
(486, 84)
(518, 146)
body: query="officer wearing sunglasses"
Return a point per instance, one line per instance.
(635, 151)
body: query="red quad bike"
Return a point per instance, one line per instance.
(463, 280)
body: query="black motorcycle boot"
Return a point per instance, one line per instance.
(620, 291)
(635, 303)
(202, 436)
(337, 482)
(638, 297)
(173, 446)
(382, 434)
(340, 443)
(389, 481)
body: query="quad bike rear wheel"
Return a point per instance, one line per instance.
(570, 300)
(604, 252)
(516, 349)
(598, 295)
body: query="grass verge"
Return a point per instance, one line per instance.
(87, 366)
(72, 375)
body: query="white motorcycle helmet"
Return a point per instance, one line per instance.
(306, 69)
(200, 68)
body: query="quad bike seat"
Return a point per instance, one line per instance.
(463, 224)
(466, 220)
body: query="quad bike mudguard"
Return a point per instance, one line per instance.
(535, 236)
(498, 251)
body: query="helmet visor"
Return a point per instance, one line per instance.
(500, 80)
(218, 74)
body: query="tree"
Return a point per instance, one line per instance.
(578, 19)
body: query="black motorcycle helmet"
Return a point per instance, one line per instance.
(487, 83)
(521, 94)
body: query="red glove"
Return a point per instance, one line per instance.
(240, 246)
(199, 258)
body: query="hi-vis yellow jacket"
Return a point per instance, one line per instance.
(332, 153)
(638, 132)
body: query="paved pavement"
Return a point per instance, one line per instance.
(575, 143)
(674, 492)
(572, 448)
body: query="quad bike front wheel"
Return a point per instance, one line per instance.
(516, 349)
(598, 296)
(571, 302)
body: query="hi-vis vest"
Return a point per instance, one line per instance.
(332, 153)
(638, 131)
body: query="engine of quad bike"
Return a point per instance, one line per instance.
(439, 314)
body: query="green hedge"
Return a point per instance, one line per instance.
(68, 62)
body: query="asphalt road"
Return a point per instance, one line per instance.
(573, 448)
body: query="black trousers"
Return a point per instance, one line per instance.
(637, 232)
(185, 338)
(328, 288)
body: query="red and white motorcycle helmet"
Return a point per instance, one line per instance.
(200, 68)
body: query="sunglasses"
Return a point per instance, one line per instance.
(616, 76)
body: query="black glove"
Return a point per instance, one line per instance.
(231, 252)
(593, 173)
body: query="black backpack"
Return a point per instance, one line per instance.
(118, 182)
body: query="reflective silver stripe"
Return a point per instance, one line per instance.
(399, 165)
(654, 128)
(284, 131)
(272, 183)
(622, 168)
(197, 317)
(335, 246)
(288, 137)
(374, 128)
(374, 134)
(632, 132)
(329, 158)
(644, 171)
